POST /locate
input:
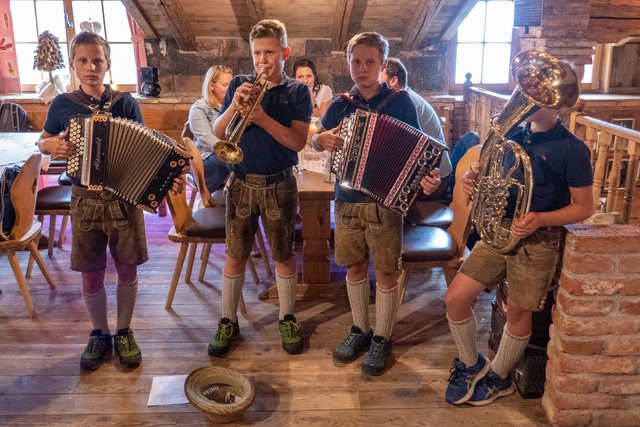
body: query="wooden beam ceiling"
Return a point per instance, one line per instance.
(257, 11)
(178, 24)
(141, 19)
(341, 20)
(456, 19)
(426, 14)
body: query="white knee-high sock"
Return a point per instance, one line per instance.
(509, 352)
(286, 293)
(359, 294)
(231, 292)
(97, 307)
(386, 310)
(465, 335)
(126, 294)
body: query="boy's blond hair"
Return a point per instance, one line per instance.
(213, 75)
(85, 38)
(369, 38)
(269, 28)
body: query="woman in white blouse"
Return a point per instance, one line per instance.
(305, 71)
(202, 115)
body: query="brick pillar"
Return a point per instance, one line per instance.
(593, 373)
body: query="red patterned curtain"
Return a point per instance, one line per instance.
(9, 78)
(137, 37)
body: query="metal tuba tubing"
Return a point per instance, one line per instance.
(227, 149)
(542, 82)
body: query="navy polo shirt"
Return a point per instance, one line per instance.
(62, 108)
(559, 160)
(401, 108)
(288, 101)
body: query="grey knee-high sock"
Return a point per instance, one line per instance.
(509, 352)
(386, 310)
(126, 294)
(231, 292)
(286, 293)
(359, 294)
(97, 307)
(465, 335)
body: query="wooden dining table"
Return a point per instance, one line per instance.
(16, 147)
(315, 195)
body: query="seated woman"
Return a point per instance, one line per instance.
(202, 115)
(305, 71)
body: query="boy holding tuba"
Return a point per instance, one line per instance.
(562, 195)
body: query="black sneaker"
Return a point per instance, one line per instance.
(97, 350)
(376, 360)
(354, 345)
(227, 332)
(129, 354)
(290, 333)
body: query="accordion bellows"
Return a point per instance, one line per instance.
(133, 161)
(385, 158)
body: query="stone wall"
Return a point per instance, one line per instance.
(593, 373)
(184, 71)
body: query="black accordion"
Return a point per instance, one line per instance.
(384, 158)
(133, 161)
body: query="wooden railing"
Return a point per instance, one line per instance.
(615, 151)
(614, 154)
(480, 107)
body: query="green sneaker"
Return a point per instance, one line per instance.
(291, 338)
(221, 341)
(97, 350)
(128, 351)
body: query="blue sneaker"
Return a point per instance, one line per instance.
(463, 380)
(490, 388)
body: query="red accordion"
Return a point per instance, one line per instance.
(385, 158)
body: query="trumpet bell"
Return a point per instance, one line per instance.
(228, 152)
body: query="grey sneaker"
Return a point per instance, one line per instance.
(221, 341)
(129, 354)
(290, 333)
(376, 360)
(354, 345)
(98, 349)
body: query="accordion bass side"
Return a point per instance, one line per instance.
(385, 158)
(135, 162)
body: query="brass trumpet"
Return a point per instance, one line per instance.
(227, 149)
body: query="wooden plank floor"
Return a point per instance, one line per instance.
(41, 383)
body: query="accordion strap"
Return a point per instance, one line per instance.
(359, 104)
(82, 99)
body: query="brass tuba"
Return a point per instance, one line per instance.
(227, 149)
(505, 174)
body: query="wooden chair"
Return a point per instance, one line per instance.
(189, 180)
(54, 201)
(428, 247)
(206, 225)
(26, 231)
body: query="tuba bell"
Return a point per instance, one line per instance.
(227, 149)
(505, 179)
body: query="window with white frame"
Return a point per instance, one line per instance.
(106, 17)
(484, 43)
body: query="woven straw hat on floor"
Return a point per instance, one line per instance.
(208, 388)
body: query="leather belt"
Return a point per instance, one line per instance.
(263, 180)
(76, 190)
